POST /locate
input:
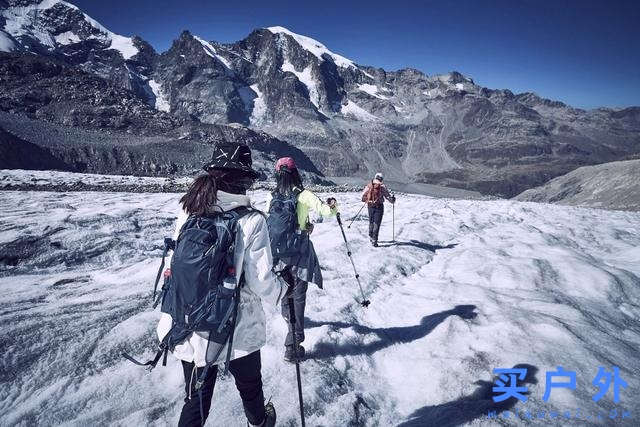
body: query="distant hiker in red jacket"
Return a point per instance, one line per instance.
(374, 194)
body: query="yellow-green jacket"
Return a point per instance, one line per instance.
(307, 202)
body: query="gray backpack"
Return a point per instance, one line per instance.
(283, 224)
(201, 294)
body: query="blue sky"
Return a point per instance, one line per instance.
(585, 53)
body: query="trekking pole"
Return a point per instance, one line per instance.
(393, 218)
(354, 218)
(365, 302)
(292, 320)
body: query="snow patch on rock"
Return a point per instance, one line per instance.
(259, 106)
(354, 110)
(371, 90)
(68, 37)
(254, 102)
(307, 79)
(211, 51)
(124, 45)
(366, 74)
(162, 103)
(314, 46)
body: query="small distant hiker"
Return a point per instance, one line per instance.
(289, 229)
(239, 274)
(373, 195)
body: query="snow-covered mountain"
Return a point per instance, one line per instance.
(353, 119)
(350, 119)
(468, 287)
(52, 24)
(59, 29)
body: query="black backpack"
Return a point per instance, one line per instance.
(282, 223)
(201, 293)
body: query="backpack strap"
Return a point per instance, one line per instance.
(203, 375)
(233, 327)
(163, 348)
(373, 200)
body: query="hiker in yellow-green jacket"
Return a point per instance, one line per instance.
(293, 252)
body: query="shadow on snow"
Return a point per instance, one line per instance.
(468, 408)
(415, 244)
(386, 336)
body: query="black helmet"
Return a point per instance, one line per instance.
(229, 155)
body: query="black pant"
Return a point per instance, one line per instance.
(298, 291)
(246, 372)
(375, 219)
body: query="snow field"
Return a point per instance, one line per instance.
(468, 287)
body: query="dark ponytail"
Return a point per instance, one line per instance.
(202, 195)
(287, 180)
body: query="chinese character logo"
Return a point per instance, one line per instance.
(571, 383)
(603, 381)
(507, 384)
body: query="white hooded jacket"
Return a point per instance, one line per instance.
(253, 257)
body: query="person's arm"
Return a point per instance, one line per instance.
(387, 195)
(258, 264)
(314, 203)
(365, 193)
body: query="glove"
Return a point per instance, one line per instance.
(309, 228)
(392, 199)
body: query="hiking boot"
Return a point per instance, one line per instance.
(269, 416)
(270, 413)
(290, 356)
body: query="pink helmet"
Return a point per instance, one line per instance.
(286, 162)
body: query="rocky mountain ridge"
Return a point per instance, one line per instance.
(349, 119)
(53, 116)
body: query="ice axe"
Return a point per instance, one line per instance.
(356, 216)
(365, 302)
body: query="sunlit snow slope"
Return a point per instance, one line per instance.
(469, 286)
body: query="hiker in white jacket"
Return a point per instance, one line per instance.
(229, 175)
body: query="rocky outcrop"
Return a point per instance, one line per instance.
(614, 185)
(59, 117)
(16, 153)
